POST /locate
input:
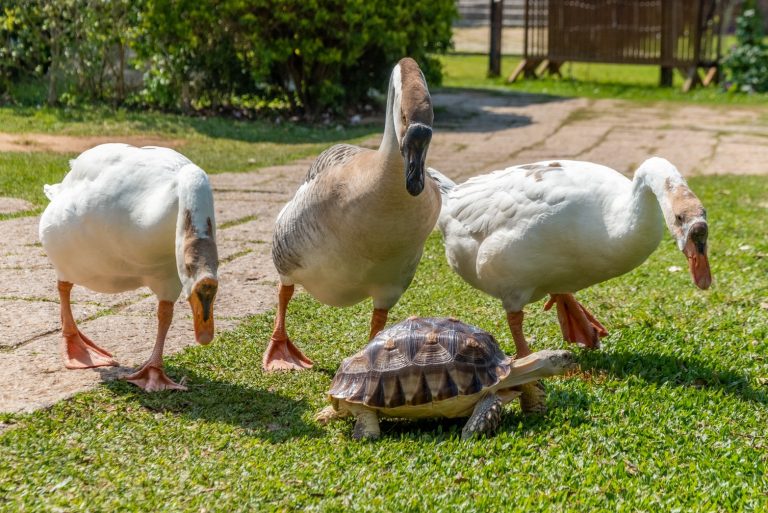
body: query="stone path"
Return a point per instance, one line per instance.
(475, 133)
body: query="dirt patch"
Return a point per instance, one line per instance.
(13, 205)
(76, 144)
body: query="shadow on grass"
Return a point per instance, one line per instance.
(218, 127)
(263, 414)
(670, 370)
(513, 421)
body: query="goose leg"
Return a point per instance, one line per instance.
(576, 322)
(151, 377)
(515, 321)
(79, 351)
(281, 354)
(378, 321)
(530, 398)
(485, 418)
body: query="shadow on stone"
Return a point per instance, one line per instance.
(263, 414)
(480, 111)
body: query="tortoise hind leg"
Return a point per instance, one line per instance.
(366, 425)
(486, 417)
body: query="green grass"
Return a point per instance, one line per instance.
(591, 80)
(670, 415)
(216, 144)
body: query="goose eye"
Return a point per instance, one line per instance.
(679, 218)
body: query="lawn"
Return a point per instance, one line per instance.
(670, 415)
(591, 80)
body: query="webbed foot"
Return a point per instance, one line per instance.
(282, 355)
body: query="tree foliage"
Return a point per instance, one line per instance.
(312, 55)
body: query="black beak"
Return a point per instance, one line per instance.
(206, 293)
(415, 145)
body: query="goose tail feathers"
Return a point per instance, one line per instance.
(443, 182)
(51, 190)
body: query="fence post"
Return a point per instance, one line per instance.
(668, 40)
(494, 57)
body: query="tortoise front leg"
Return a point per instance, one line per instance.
(367, 424)
(533, 399)
(486, 417)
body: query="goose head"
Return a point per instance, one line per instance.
(197, 261)
(686, 219)
(412, 116)
(690, 229)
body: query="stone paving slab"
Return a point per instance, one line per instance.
(475, 133)
(27, 319)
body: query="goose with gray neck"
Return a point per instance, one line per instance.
(556, 227)
(357, 225)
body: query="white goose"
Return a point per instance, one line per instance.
(356, 227)
(127, 217)
(556, 227)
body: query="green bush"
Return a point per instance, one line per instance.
(188, 50)
(80, 45)
(331, 53)
(22, 50)
(747, 62)
(314, 56)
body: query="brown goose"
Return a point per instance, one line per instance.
(356, 227)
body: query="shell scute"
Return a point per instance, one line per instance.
(418, 361)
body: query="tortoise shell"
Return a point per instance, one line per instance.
(419, 361)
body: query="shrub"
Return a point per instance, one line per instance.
(314, 55)
(22, 50)
(317, 55)
(187, 49)
(81, 45)
(747, 62)
(330, 53)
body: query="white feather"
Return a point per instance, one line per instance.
(112, 224)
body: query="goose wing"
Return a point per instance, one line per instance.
(334, 156)
(527, 194)
(300, 224)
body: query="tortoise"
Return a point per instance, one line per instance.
(438, 367)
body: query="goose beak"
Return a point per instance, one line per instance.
(415, 146)
(695, 250)
(201, 301)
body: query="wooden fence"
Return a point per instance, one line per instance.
(674, 34)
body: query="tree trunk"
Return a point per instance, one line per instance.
(53, 71)
(121, 74)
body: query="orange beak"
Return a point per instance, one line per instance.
(696, 251)
(201, 301)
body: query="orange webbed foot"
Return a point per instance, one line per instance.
(578, 325)
(153, 379)
(282, 355)
(80, 352)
